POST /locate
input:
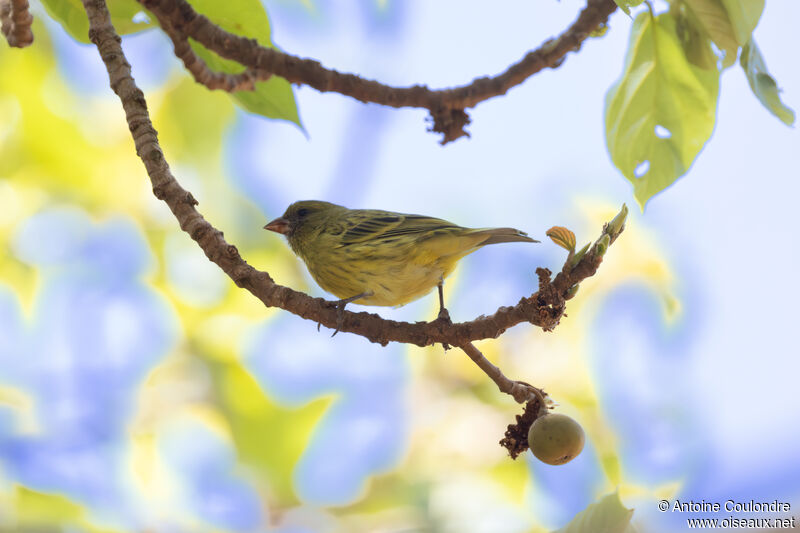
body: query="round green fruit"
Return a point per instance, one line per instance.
(555, 439)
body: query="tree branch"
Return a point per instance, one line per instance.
(201, 72)
(519, 390)
(543, 308)
(16, 22)
(447, 106)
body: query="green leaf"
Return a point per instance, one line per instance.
(744, 16)
(71, 15)
(40, 511)
(696, 44)
(729, 23)
(662, 111)
(711, 16)
(614, 227)
(608, 515)
(601, 246)
(41, 508)
(626, 5)
(623, 5)
(762, 84)
(268, 437)
(193, 120)
(578, 256)
(273, 98)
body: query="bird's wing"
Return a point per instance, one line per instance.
(369, 225)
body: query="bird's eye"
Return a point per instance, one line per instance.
(302, 212)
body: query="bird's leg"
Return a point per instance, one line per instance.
(340, 309)
(443, 313)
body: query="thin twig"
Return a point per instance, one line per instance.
(447, 106)
(16, 22)
(519, 390)
(201, 72)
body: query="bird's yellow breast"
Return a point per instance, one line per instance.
(393, 276)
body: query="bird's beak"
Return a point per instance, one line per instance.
(279, 225)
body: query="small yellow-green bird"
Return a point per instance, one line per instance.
(379, 257)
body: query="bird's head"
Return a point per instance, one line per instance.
(301, 217)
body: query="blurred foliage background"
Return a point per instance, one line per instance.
(140, 390)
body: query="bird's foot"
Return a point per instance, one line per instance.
(340, 315)
(444, 317)
(340, 309)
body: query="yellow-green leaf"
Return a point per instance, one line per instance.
(192, 122)
(578, 256)
(623, 5)
(563, 237)
(744, 16)
(71, 15)
(273, 98)
(607, 515)
(35, 507)
(711, 16)
(615, 226)
(763, 85)
(662, 110)
(729, 23)
(601, 246)
(40, 511)
(68, 168)
(696, 43)
(268, 437)
(626, 5)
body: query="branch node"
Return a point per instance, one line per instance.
(197, 229)
(159, 191)
(450, 123)
(154, 155)
(544, 277)
(240, 273)
(16, 22)
(520, 392)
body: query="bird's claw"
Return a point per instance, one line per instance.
(340, 309)
(339, 317)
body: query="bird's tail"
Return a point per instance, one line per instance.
(498, 235)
